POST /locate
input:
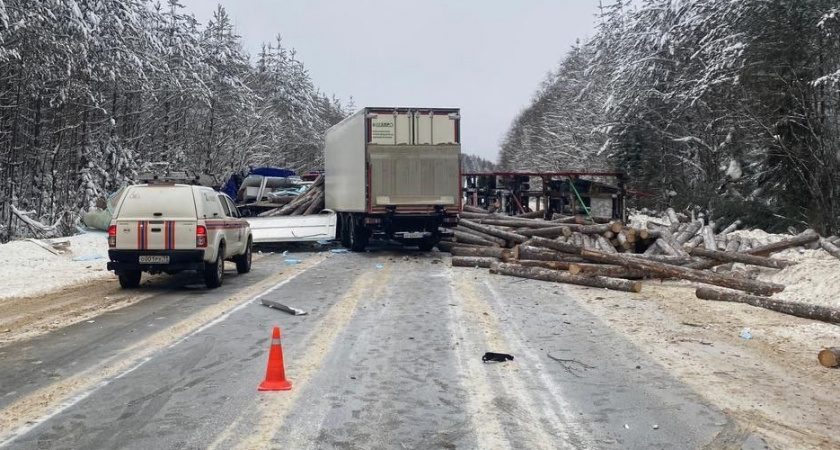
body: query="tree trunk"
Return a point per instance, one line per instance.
(537, 273)
(473, 261)
(493, 252)
(804, 310)
(741, 258)
(668, 271)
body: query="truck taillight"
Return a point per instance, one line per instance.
(112, 236)
(201, 236)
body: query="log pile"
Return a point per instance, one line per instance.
(310, 202)
(567, 249)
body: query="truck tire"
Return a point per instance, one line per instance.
(243, 261)
(344, 229)
(358, 237)
(214, 272)
(426, 246)
(130, 279)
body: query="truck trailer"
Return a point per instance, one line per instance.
(394, 173)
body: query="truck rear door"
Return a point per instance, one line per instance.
(414, 159)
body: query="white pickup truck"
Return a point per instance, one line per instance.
(170, 227)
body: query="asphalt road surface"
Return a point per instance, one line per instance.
(388, 356)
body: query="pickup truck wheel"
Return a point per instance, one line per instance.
(426, 246)
(214, 272)
(130, 279)
(243, 261)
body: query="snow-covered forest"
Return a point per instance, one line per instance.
(90, 91)
(729, 106)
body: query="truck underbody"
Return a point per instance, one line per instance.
(423, 230)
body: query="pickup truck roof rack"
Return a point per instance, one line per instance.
(178, 176)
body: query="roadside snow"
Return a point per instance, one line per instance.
(27, 269)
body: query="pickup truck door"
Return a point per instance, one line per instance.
(235, 233)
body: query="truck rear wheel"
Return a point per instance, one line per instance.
(358, 237)
(344, 229)
(214, 272)
(130, 279)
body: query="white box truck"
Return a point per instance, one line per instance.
(394, 173)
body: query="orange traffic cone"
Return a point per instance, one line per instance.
(275, 375)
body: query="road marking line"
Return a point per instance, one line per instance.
(487, 429)
(318, 344)
(26, 413)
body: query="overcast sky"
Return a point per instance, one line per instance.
(486, 57)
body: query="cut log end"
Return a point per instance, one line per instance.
(829, 357)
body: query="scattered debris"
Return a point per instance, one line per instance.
(496, 357)
(275, 305)
(569, 365)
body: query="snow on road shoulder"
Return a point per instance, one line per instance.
(27, 269)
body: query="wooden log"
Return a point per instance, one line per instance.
(832, 249)
(800, 239)
(673, 260)
(672, 217)
(553, 265)
(475, 209)
(767, 249)
(670, 271)
(605, 245)
(829, 357)
(733, 245)
(529, 252)
(798, 309)
(555, 245)
(732, 227)
(468, 238)
(538, 214)
(708, 238)
(537, 273)
(485, 236)
(513, 222)
(689, 231)
(493, 231)
(560, 218)
(316, 206)
(762, 261)
(491, 252)
(605, 270)
(472, 215)
(552, 232)
(473, 261)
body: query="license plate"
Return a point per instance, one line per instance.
(416, 235)
(154, 259)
